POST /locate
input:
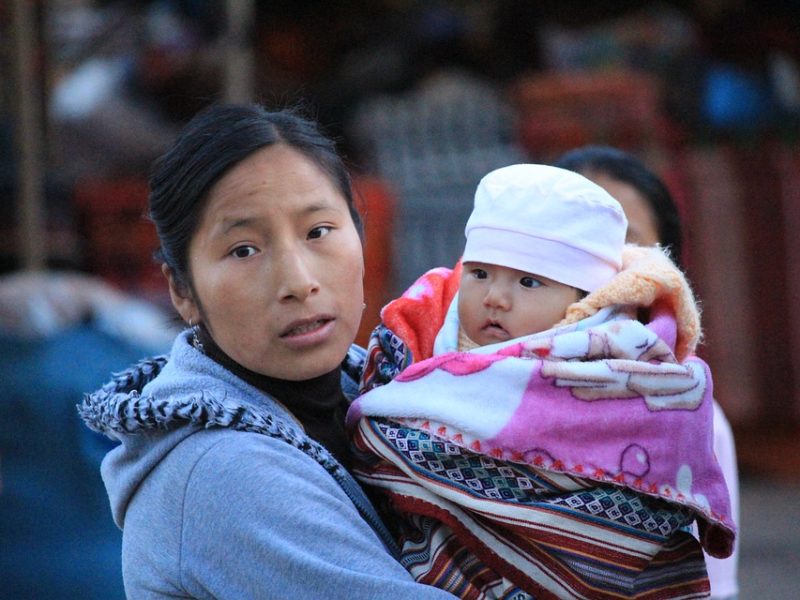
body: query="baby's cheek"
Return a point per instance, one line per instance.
(465, 320)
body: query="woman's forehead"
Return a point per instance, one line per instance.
(278, 167)
(274, 179)
(642, 219)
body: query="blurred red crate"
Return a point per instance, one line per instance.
(376, 205)
(559, 111)
(118, 240)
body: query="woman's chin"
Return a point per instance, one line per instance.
(309, 363)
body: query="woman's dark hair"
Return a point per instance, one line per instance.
(213, 142)
(626, 168)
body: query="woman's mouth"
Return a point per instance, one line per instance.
(303, 327)
(308, 332)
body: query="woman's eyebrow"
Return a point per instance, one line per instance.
(316, 207)
(230, 223)
(226, 225)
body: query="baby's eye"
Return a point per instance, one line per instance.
(529, 282)
(319, 232)
(243, 251)
(479, 274)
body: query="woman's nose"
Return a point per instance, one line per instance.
(297, 279)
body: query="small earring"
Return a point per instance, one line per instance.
(198, 345)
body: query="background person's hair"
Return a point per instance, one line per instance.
(213, 142)
(626, 168)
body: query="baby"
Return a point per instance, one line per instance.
(539, 239)
(535, 416)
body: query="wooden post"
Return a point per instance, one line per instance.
(29, 143)
(238, 51)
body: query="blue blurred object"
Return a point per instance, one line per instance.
(56, 533)
(735, 98)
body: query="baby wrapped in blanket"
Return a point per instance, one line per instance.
(536, 416)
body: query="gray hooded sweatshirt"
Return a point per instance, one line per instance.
(220, 494)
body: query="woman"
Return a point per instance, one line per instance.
(231, 477)
(652, 214)
(653, 219)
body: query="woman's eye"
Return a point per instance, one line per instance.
(479, 274)
(319, 232)
(243, 252)
(530, 282)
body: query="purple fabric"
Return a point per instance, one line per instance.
(607, 403)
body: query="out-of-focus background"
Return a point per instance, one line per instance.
(424, 98)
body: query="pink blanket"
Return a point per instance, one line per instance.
(601, 396)
(605, 401)
(564, 464)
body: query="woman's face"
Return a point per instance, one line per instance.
(277, 267)
(642, 222)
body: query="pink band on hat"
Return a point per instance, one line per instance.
(538, 256)
(547, 221)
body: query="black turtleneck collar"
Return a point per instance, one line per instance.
(317, 403)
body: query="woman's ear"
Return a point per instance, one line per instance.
(181, 297)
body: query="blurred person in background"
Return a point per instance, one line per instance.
(653, 218)
(127, 82)
(60, 334)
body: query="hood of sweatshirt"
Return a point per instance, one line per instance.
(154, 405)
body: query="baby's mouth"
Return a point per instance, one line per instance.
(495, 329)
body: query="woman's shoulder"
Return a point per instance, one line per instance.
(248, 484)
(250, 504)
(209, 474)
(236, 461)
(212, 485)
(221, 465)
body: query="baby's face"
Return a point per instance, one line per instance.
(499, 303)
